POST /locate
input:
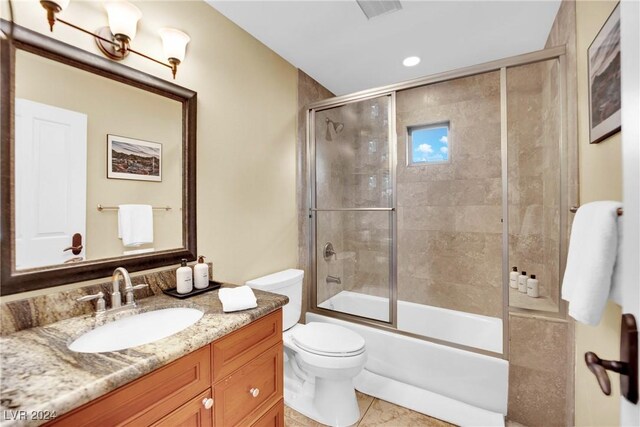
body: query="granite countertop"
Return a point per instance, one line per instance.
(39, 372)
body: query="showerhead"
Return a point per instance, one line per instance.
(337, 128)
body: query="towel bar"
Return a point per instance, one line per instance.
(574, 209)
(115, 208)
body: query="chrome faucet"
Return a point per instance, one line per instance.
(116, 296)
(334, 279)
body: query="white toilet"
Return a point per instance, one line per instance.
(321, 359)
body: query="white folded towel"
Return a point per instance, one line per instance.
(236, 299)
(615, 294)
(135, 224)
(593, 250)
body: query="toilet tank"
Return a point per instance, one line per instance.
(289, 283)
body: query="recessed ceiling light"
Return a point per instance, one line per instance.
(411, 61)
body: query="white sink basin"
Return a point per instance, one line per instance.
(136, 330)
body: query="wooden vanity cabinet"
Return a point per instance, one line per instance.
(192, 413)
(242, 372)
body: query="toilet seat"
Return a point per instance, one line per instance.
(325, 339)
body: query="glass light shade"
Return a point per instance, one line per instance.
(174, 43)
(123, 18)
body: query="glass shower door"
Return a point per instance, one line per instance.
(353, 208)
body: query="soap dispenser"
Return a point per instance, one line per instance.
(201, 274)
(522, 282)
(513, 277)
(184, 278)
(533, 289)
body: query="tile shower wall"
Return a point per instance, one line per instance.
(541, 350)
(367, 234)
(449, 215)
(538, 367)
(533, 123)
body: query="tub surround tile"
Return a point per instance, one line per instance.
(538, 395)
(452, 296)
(39, 372)
(538, 369)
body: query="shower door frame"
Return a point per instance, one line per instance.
(393, 223)
(568, 194)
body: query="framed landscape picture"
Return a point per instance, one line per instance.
(129, 158)
(604, 80)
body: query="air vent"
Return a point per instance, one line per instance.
(373, 8)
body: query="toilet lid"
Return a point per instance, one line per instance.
(326, 339)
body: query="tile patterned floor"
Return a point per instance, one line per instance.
(373, 413)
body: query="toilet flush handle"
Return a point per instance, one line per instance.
(254, 392)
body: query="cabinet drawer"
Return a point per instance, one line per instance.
(273, 418)
(245, 344)
(235, 403)
(191, 414)
(149, 398)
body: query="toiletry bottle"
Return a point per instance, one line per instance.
(200, 274)
(513, 277)
(184, 278)
(522, 282)
(533, 290)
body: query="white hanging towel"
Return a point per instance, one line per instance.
(135, 225)
(593, 251)
(238, 298)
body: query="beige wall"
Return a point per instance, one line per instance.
(600, 179)
(247, 104)
(113, 108)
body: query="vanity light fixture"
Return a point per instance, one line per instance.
(175, 44)
(114, 40)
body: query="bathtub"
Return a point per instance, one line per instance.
(454, 385)
(472, 330)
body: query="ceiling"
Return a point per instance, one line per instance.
(334, 43)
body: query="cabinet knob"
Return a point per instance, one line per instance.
(207, 402)
(254, 392)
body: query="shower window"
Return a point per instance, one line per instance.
(428, 144)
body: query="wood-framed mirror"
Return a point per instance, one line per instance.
(137, 136)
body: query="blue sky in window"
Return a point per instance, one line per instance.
(430, 145)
